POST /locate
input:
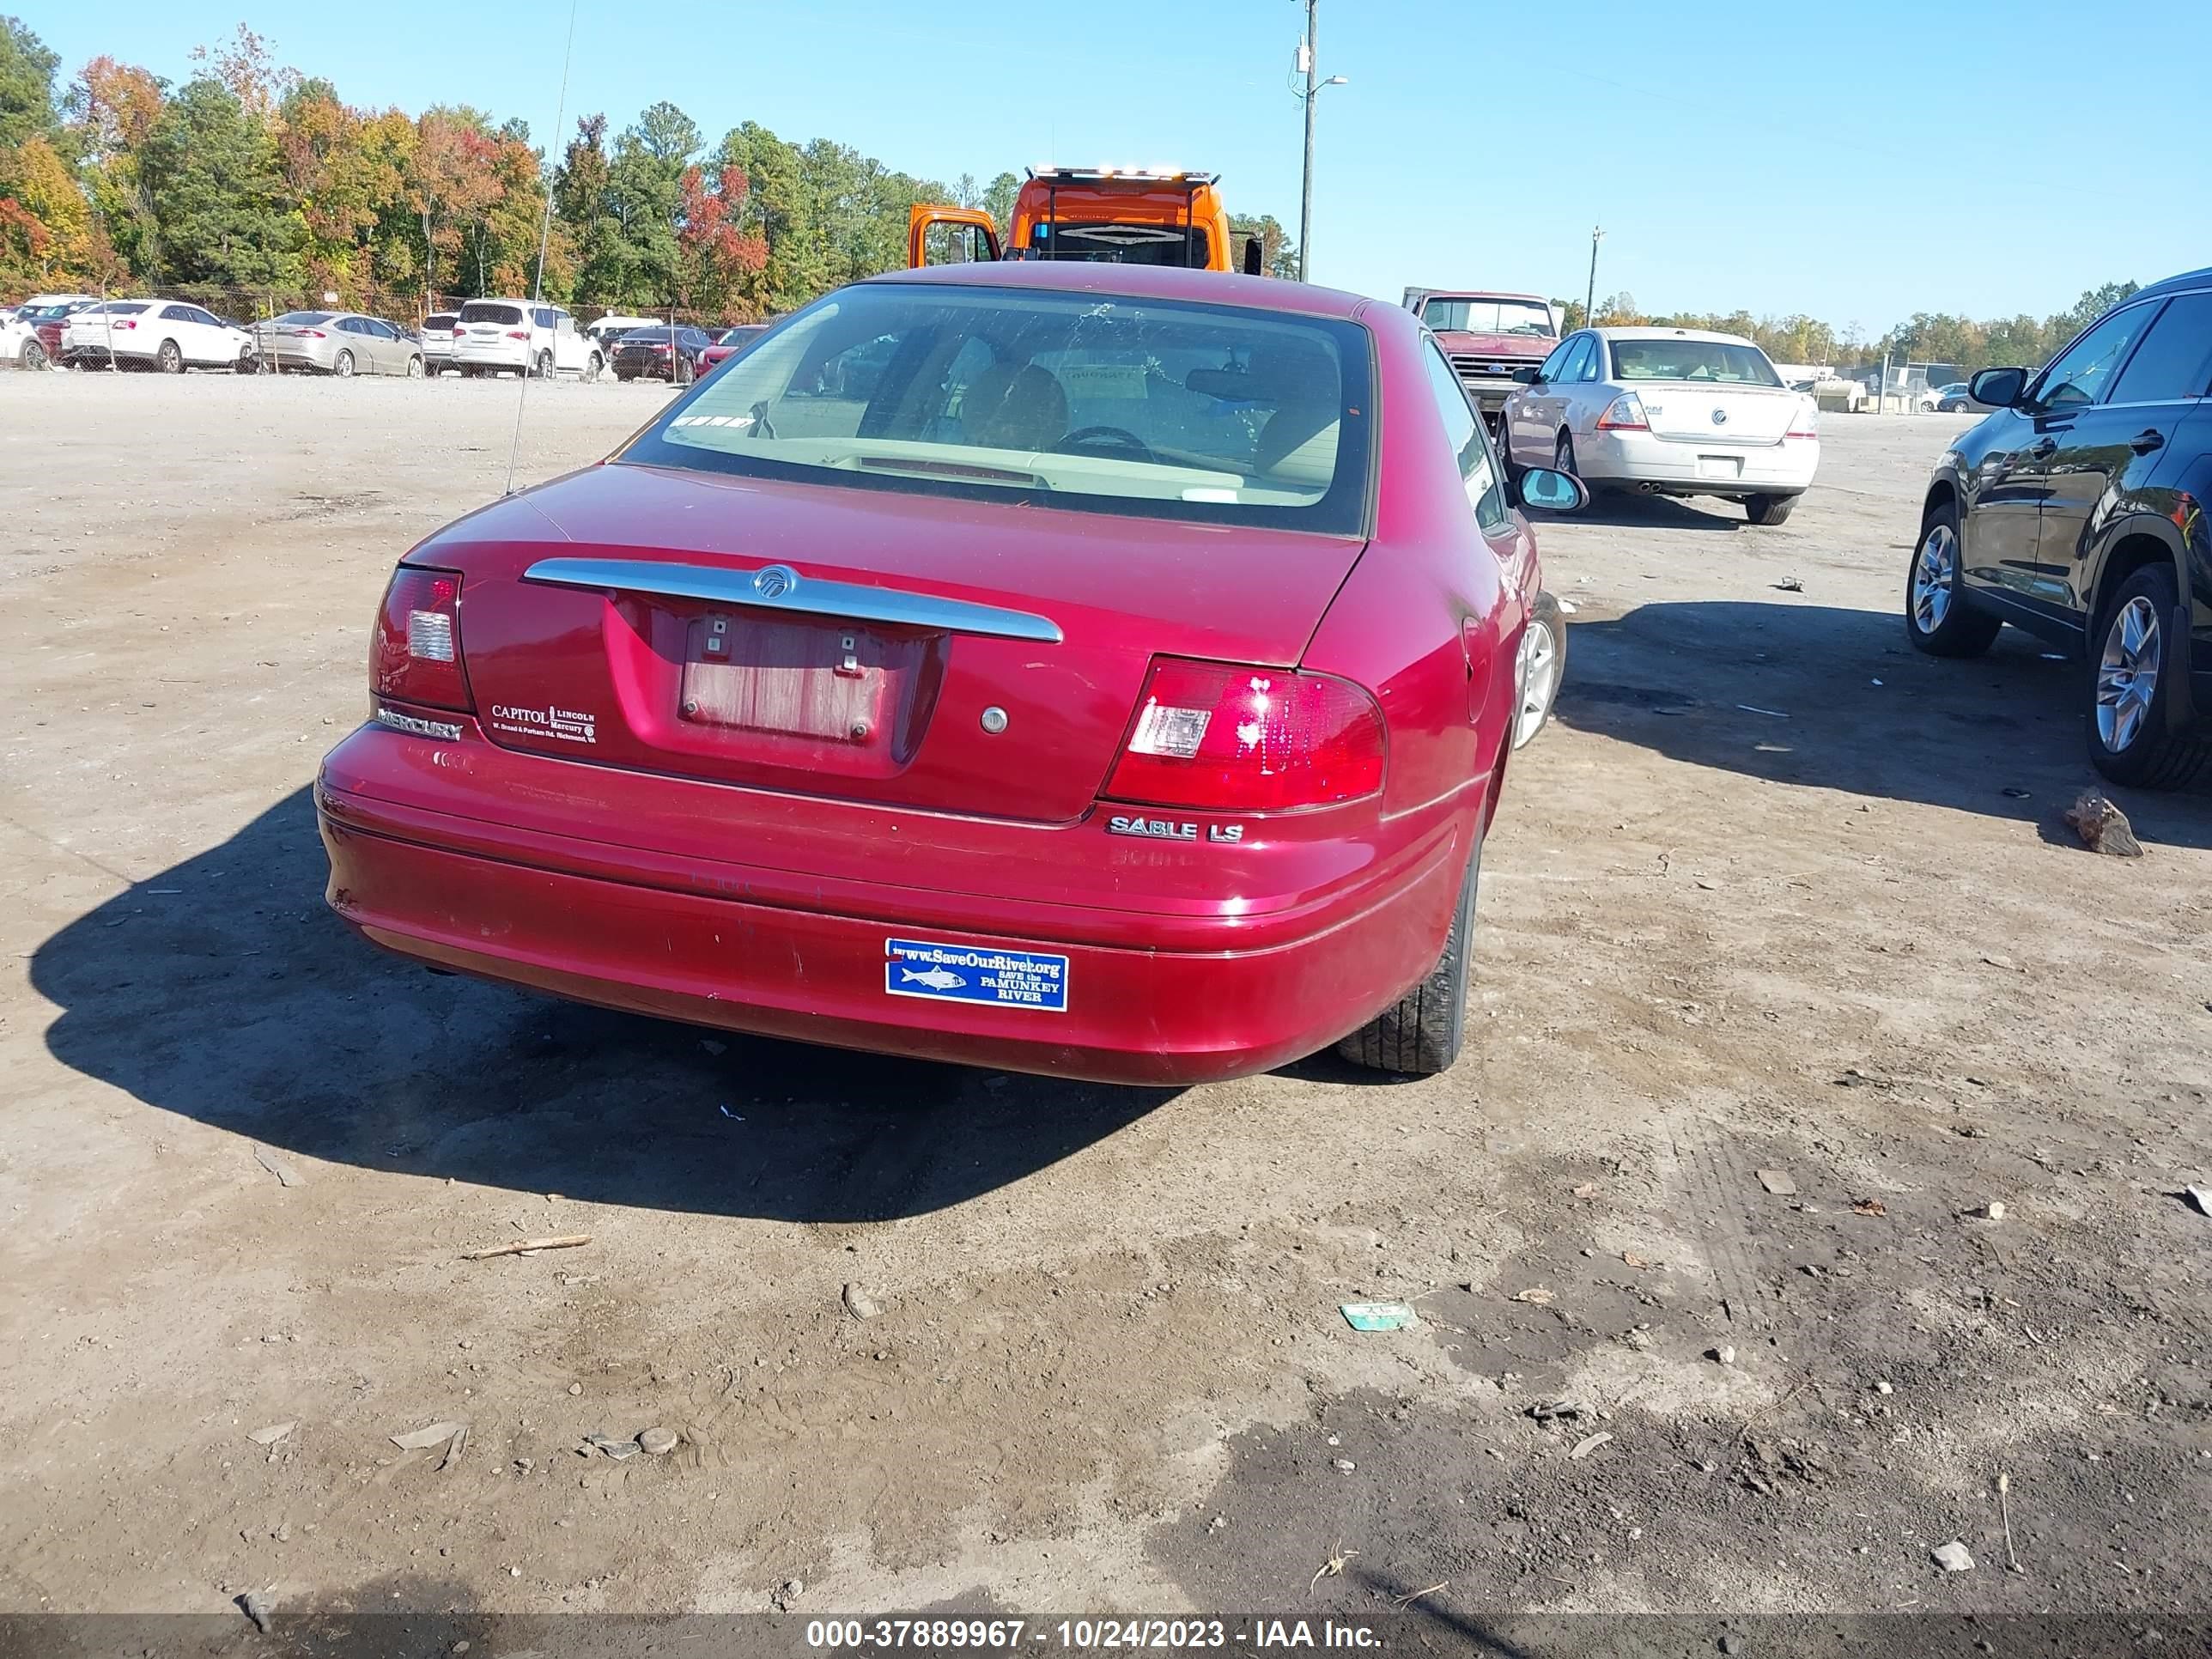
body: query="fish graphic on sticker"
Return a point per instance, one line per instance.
(937, 979)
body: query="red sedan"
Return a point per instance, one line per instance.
(729, 341)
(1087, 669)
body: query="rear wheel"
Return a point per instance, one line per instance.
(1422, 1035)
(342, 365)
(2132, 740)
(1563, 455)
(33, 355)
(414, 368)
(1937, 618)
(593, 365)
(683, 373)
(1769, 509)
(543, 367)
(1540, 666)
(171, 358)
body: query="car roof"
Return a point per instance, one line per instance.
(1610, 332)
(2188, 279)
(1142, 283)
(1479, 294)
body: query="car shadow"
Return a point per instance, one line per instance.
(224, 991)
(1826, 697)
(1629, 510)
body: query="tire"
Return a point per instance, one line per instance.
(1538, 670)
(342, 365)
(170, 357)
(1424, 1033)
(543, 368)
(1501, 439)
(1563, 455)
(1938, 619)
(625, 375)
(593, 365)
(1769, 509)
(683, 374)
(248, 363)
(414, 368)
(2132, 740)
(33, 355)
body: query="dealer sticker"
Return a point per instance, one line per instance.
(973, 973)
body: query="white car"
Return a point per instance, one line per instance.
(165, 334)
(609, 329)
(19, 335)
(517, 337)
(1668, 411)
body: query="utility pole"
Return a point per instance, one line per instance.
(1309, 65)
(1590, 301)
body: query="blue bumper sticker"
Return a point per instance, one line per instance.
(971, 973)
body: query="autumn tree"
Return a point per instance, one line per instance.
(211, 171)
(448, 183)
(715, 254)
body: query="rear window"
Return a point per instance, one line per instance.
(306, 318)
(483, 311)
(1715, 361)
(442, 319)
(1095, 403)
(1489, 317)
(1112, 243)
(120, 308)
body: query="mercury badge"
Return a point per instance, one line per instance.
(1720, 417)
(773, 581)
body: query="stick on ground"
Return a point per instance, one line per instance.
(521, 1246)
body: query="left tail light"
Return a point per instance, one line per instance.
(1224, 737)
(1623, 414)
(416, 656)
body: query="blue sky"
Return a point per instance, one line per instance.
(1856, 160)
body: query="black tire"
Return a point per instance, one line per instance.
(1950, 627)
(683, 374)
(543, 368)
(415, 370)
(1501, 441)
(1769, 509)
(33, 355)
(2152, 754)
(593, 365)
(343, 365)
(1424, 1032)
(247, 363)
(1563, 456)
(171, 358)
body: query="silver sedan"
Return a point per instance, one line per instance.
(341, 342)
(1668, 411)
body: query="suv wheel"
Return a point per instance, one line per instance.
(1937, 618)
(2132, 735)
(543, 367)
(1422, 1034)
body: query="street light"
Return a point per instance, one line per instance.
(1308, 50)
(1589, 300)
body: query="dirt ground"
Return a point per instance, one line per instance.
(1774, 895)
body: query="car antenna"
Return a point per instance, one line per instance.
(544, 237)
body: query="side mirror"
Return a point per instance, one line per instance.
(2000, 388)
(1254, 254)
(1532, 375)
(1554, 492)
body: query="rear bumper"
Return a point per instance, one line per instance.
(1489, 395)
(509, 354)
(1204, 999)
(1668, 466)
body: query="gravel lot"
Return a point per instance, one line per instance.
(1762, 901)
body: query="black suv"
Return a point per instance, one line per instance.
(2077, 511)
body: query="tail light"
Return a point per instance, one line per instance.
(1806, 423)
(1220, 737)
(311, 333)
(518, 334)
(1623, 414)
(123, 322)
(416, 656)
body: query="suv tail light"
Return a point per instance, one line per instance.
(1806, 423)
(416, 655)
(1226, 738)
(518, 334)
(1623, 414)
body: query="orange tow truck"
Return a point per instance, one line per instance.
(1121, 215)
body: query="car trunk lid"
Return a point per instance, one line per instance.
(1691, 411)
(922, 651)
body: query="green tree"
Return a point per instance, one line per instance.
(27, 85)
(224, 216)
(999, 196)
(1278, 257)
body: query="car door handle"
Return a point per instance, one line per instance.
(2149, 438)
(2044, 450)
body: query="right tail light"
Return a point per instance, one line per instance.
(1224, 737)
(416, 655)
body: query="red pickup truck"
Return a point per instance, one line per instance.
(1489, 335)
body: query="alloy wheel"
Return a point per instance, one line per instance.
(1538, 673)
(2127, 674)
(1935, 574)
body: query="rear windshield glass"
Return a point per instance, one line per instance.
(1489, 317)
(1120, 244)
(1715, 360)
(121, 307)
(306, 318)
(483, 311)
(442, 319)
(1074, 400)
